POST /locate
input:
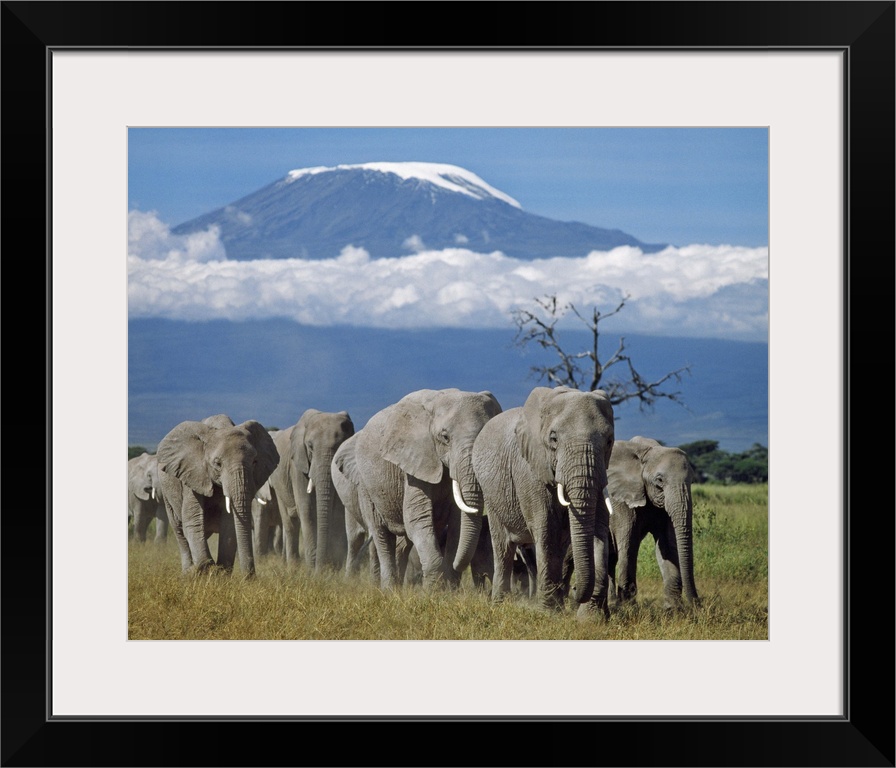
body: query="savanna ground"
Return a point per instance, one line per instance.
(730, 563)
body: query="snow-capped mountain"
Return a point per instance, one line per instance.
(392, 209)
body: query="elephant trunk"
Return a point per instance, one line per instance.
(238, 494)
(680, 506)
(465, 483)
(324, 491)
(583, 477)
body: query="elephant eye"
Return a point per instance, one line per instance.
(444, 436)
(552, 439)
(659, 480)
(217, 461)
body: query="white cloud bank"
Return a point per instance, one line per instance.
(697, 290)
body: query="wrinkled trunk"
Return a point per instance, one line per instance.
(680, 508)
(324, 495)
(583, 476)
(470, 522)
(240, 494)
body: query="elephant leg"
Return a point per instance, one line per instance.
(385, 550)
(417, 512)
(568, 570)
(527, 555)
(141, 525)
(227, 541)
(666, 550)
(290, 522)
(193, 522)
(161, 527)
(308, 525)
(449, 550)
(598, 604)
(355, 536)
(549, 580)
(186, 558)
(628, 535)
(403, 547)
(375, 571)
(337, 546)
(612, 564)
(277, 542)
(503, 552)
(259, 540)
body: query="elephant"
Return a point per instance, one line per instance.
(145, 502)
(543, 469)
(303, 485)
(210, 471)
(413, 460)
(650, 487)
(267, 530)
(346, 481)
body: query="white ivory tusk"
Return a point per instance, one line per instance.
(561, 496)
(607, 500)
(227, 503)
(310, 485)
(459, 499)
(153, 494)
(260, 501)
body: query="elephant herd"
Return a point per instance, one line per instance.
(437, 483)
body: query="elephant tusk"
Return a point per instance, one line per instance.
(260, 501)
(607, 500)
(459, 499)
(227, 504)
(153, 494)
(561, 496)
(310, 485)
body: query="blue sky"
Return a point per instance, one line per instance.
(677, 185)
(703, 190)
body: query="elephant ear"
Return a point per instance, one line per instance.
(298, 453)
(645, 441)
(136, 473)
(346, 462)
(264, 492)
(268, 455)
(528, 433)
(492, 406)
(624, 473)
(182, 454)
(407, 438)
(219, 421)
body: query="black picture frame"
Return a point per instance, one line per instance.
(864, 31)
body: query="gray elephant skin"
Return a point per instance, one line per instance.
(543, 471)
(267, 530)
(145, 502)
(408, 567)
(303, 487)
(650, 487)
(414, 463)
(210, 471)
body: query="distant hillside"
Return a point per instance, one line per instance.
(272, 370)
(391, 209)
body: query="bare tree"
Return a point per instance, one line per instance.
(586, 370)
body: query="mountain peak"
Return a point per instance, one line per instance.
(450, 177)
(389, 208)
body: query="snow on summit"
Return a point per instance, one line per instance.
(450, 177)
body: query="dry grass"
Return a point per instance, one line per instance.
(731, 564)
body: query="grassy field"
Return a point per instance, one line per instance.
(731, 572)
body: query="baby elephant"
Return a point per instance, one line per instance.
(650, 488)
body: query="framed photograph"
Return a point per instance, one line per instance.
(93, 91)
